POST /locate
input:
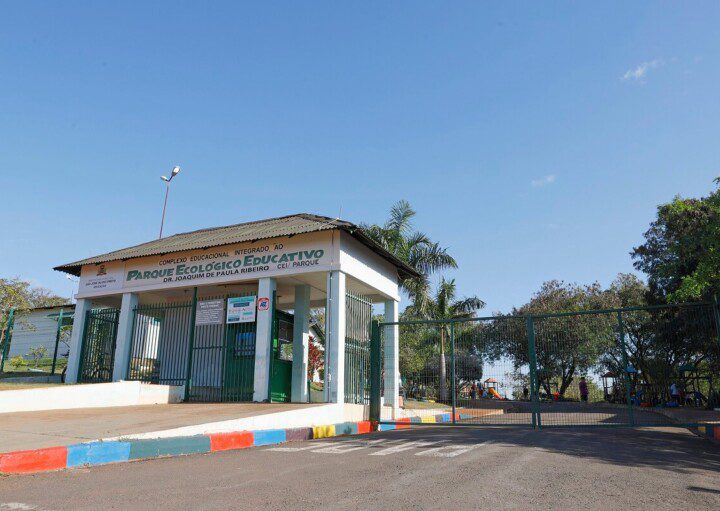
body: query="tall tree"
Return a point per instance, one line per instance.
(681, 253)
(399, 237)
(445, 306)
(567, 345)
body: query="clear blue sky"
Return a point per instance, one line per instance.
(534, 140)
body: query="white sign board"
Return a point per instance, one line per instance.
(209, 312)
(241, 309)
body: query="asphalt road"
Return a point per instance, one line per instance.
(421, 468)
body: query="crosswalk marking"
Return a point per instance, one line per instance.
(439, 449)
(448, 451)
(343, 447)
(400, 447)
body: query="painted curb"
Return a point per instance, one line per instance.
(102, 453)
(709, 430)
(115, 451)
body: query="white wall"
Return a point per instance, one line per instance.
(97, 395)
(360, 262)
(33, 329)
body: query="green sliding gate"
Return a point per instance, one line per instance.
(176, 344)
(615, 367)
(97, 355)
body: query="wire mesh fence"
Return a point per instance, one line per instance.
(619, 367)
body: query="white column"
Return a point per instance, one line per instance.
(335, 338)
(263, 341)
(82, 306)
(391, 363)
(301, 344)
(124, 336)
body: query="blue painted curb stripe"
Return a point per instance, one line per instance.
(386, 427)
(346, 428)
(416, 419)
(269, 436)
(169, 446)
(97, 453)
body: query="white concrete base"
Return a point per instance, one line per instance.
(97, 395)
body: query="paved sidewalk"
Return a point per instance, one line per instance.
(34, 430)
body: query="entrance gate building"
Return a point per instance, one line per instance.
(226, 312)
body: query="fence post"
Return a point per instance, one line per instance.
(534, 386)
(57, 341)
(6, 338)
(626, 368)
(452, 370)
(191, 343)
(375, 371)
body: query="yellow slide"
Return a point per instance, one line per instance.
(494, 393)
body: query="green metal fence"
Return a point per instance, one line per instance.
(98, 346)
(159, 346)
(617, 367)
(29, 348)
(358, 315)
(214, 360)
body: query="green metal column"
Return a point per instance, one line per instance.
(626, 367)
(57, 340)
(191, 343)
(6, 337)
(375, 371)
(452, 370)
(534, 386)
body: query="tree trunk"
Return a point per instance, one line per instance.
(443, 371)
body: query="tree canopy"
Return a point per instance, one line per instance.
(21, 295)
(681, 253)
(399, 237)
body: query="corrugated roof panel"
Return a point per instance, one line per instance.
(250, 231)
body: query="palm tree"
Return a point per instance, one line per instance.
(444, 307)
(414, 248)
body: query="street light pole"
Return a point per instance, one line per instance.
(167, 180)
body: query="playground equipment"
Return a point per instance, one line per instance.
(491, 386)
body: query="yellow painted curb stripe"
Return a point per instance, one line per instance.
(324, 431)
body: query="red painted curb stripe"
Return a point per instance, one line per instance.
(364, 427)
(228, 441)
(39, 460)
(403, 426)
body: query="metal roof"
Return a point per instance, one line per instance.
(291, 225)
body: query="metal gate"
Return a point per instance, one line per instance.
(97, 355)
(616, 367)
(215, 361)
(358, 316)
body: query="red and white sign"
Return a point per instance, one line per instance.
(263, 304)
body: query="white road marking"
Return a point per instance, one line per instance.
(294, 449)
(387, 447)
(403, 446)
(343, 447)
(448, 451)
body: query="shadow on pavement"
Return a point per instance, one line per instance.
(674, 449)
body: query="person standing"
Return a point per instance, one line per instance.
(583, 387)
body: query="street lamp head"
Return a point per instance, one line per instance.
(165, 178)
(175, 171)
